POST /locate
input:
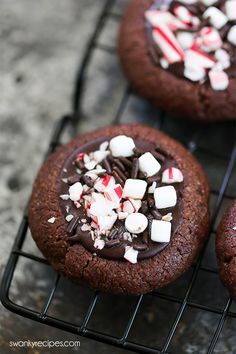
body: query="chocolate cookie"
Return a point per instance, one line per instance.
(226, 249)
(181, 56)
(123, 209)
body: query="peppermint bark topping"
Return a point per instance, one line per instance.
(194, 39)
(121, 200)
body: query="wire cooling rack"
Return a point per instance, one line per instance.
(193, 136)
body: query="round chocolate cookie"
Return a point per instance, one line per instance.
(181, 55)
(123, 209)
(226, 249)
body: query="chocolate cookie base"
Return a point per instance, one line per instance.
(226, 249)
(80, 265)
(179, 96)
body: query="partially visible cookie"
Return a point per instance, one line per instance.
(226, 249)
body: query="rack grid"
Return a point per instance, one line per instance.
(228, 158)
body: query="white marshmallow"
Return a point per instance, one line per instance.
(131, 205)
(219, 80)
(136, 223)
(160, 231)
(99, 244)
(148, 164)
(98, 155)
(223, 58)
(105, 182)
(230, 9)
(106, 222)
(131, 254)
(194, 72)
(172, 175)
(208, 2)
(211, 39)
(185, 39)
(134, 188)
(165, 197)
(122, 145)
(217, 18)
(232, 35)
(75, 191)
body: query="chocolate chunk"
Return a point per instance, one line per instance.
(73, 179)
(79, 163)
(144, 207)
(87, 180)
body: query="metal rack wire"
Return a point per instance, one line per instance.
(183, 302)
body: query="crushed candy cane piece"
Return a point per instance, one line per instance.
(52, 220)
(75, 191)
(64, 196)
(99, 244)
(132, 205)
(69, 217)
(172, 175)
(131, 254)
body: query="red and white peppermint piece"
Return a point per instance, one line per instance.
(230, 9)
(183, 14)
(216, 17)
(165, 197)
(136, 223)
(131, 254)
(195, 57)
(211, 39)
(76, 191)
(105, 182)
(52, 220)
(172, 175)
(160, 231)
(185, 39)
(106, 222)
(100, 206)
(69, 217)
(131, 205)
(134, 188)
(168, 44)
(231, 36)
(219, 80)
(114, 194)
(148, 164)
(122, 145)
(157, 17)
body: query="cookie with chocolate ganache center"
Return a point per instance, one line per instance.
(225, 249)
(181, 55)
(123, 209)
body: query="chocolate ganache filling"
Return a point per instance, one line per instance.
(194, 39)
(121, 198)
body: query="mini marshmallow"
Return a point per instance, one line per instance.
(217, 18)
(168, 44)
(148, 164)
(131, 254)
(99, 244)
(172, 175)
(114, 194)
(106, 222)
(185, 39)
(160, 231)
(232, 35)
(131, 206)
(165, 197)
(230, 9)
(219, 80)
(136, 223)
(52, 220)
(223, 58)
(211, 39)
(134, 188)
(208, 2)
(105, 182)
(75, 191)
(98, 155)
(194, 73)
(122, 145)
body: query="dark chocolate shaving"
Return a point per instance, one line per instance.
(72, 225)
(112, 243)
(135, 167)
(140, 246)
